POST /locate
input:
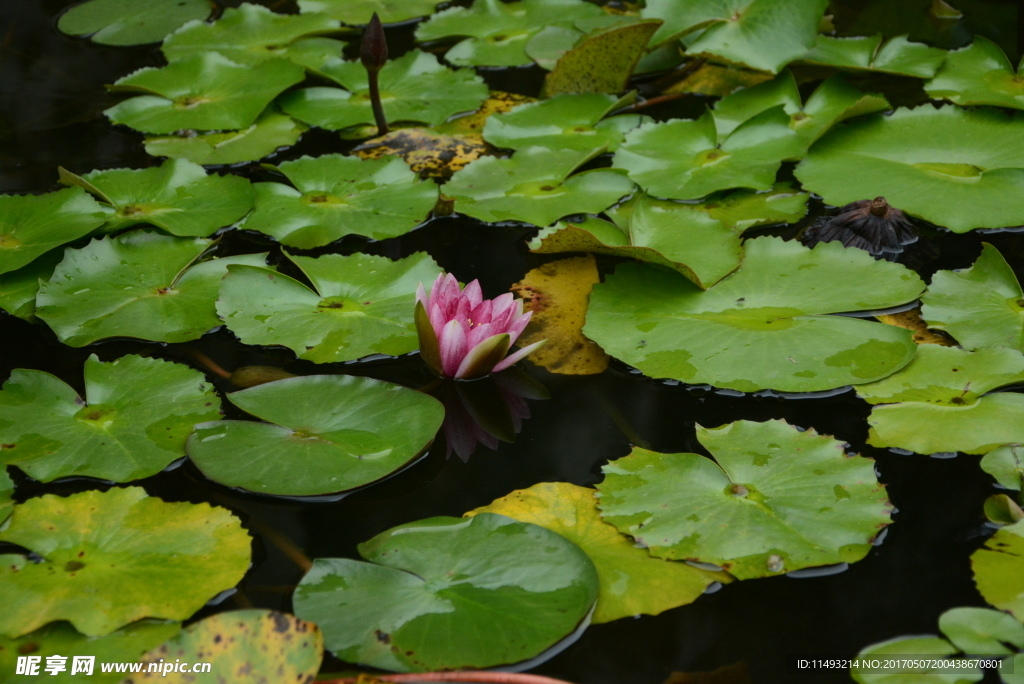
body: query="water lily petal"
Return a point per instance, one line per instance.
(518, 356)
(479, 333)
(453, 347)
(473, 293)
(430, 350)
(483, 357)
(516, 327)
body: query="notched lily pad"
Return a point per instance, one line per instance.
(982, 631)
(271, 131)
(1006, 465)
(868, 53)
(999, 569)
(979, 74)
(127, 22)
(18, 289)
(358, 12)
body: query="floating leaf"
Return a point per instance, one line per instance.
(358, 12)
(535, 186)
(138, 284)
(338, 196)
(6, 495)
(177, 196)
(1002, 510)
(999, 569)
(773, 500)
(979, 74)
(497, 32)
(631, 581)
(414, 87)
(716, 79)
(914, 652)
(498, 102)
(868, 53)
(204, 92)
(131, 424)
(1006, 465)
(431, 589)
(18, 288)
(602, 62)
(109, 558)
(126, 22)
(981, 631)
(900, 156)
(982, 306)
(248, 644)
(272, 131)
(31, 225)
(428, 153)
(361, 305)
(911, 320)
(763, 327)
(360, 430)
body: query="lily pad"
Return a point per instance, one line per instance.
(414, 87)
(428, 153)
(979, 74)
(550, 44)
(603, 61)
(338, 196)
(110, 558)
(18, 289)
(6, 494)
(1006, 465)
(982, 306)
(569, 122)
(632, 582)
(773, 500)
(496, 32)
(246, 643)
(977, 185)
(126, 22)
(358, 12)
(204, 92)
(432, 588)
(272, 131)
(139, 284)
(999, 569)
(131, 424)
(361, 305)
(176, 196)
(535, 186)
(914, 649)
(359, 431)
(32, 225)
(982, 631)
(868, 53)
(763, 327)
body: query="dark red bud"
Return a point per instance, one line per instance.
(374, 50)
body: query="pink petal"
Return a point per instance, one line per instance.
(452, 341)
(437, 319)
(516, 327)
(435, 290)
(501, 303)
(421, 296)
(477, 334)
(481, 313)
(518, 356)
(473, 293)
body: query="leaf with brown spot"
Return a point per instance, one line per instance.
(602, 62)
(911, 320)
(428, 153)
(498, 102)
(716, 79)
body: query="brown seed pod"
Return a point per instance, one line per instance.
(871, 225)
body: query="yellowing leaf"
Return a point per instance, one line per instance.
(911, 320)
(498, 102)
(430, 154)
(715, 79)
(601, 63)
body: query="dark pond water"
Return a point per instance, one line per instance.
(51, 99)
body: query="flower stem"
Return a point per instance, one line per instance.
(374, 54)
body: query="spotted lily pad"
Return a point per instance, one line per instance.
(127, 22)
(110, 558)
(978, 185)
(18, 289)
(773, 500)
(428, 153)
(999, 569)
(361, 305)
(765, 326)
(432, 587)
(359, 431)
(414, 87)
(1006, 465)
(535, 186)
(176, 196)
(603, 61)
(358, 12)
(272, 131)
(982, 631)
(979, 74)
(911, 650)
(868, 53)
(131, 424)
(335, 196)
(204, 92)
(138, 284)
(31, 225)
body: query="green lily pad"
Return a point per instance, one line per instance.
(139, 284)
(204, 92)
(535, 186)
(868, 53)
(361, 305)
(603, 61)
(59, 638)
(176, 196)
(272, 131)
(761, 34)
(764, 326)
(683, 158)
(131, 424)
(126, 22)
(549, 44)
(632, 582)
(18, 289)
(414, 87)
(358, 12)
(982, 631)
(999, 569)
(110, 558)
(912, 648)
(773, 500)
(431, 588)
(6, 494)
(338, 196)
(1006, 465)
(249, 644)
(564, 122)
(253, 34)
(496, 32)
(360, 431)
(982, 306)
(979, 74)
(32, 225)
(900, 156)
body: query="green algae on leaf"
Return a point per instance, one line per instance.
(204, 92)
(139, 284)
(335, 196)
(979, 74)
(632, 582)
(18, 289)
(129, 22)
(432, 587)
(999, 569)
(1006, 465)
(535, 186)
(361, 305)
(773, 500)
(603, 61)
(765, 326)
(131, 424)
(358, 12)
(110, 558)
(271, 131)
(359, 430)
(982, 631)
(868, 53)
(915, 650)
(979, 184)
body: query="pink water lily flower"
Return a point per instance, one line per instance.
(464, 336)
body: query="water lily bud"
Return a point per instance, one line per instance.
(374, 51)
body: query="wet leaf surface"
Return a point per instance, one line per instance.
(127, 22)
(979, 74)
(271, 131)
(869, 53)
(999, 569)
